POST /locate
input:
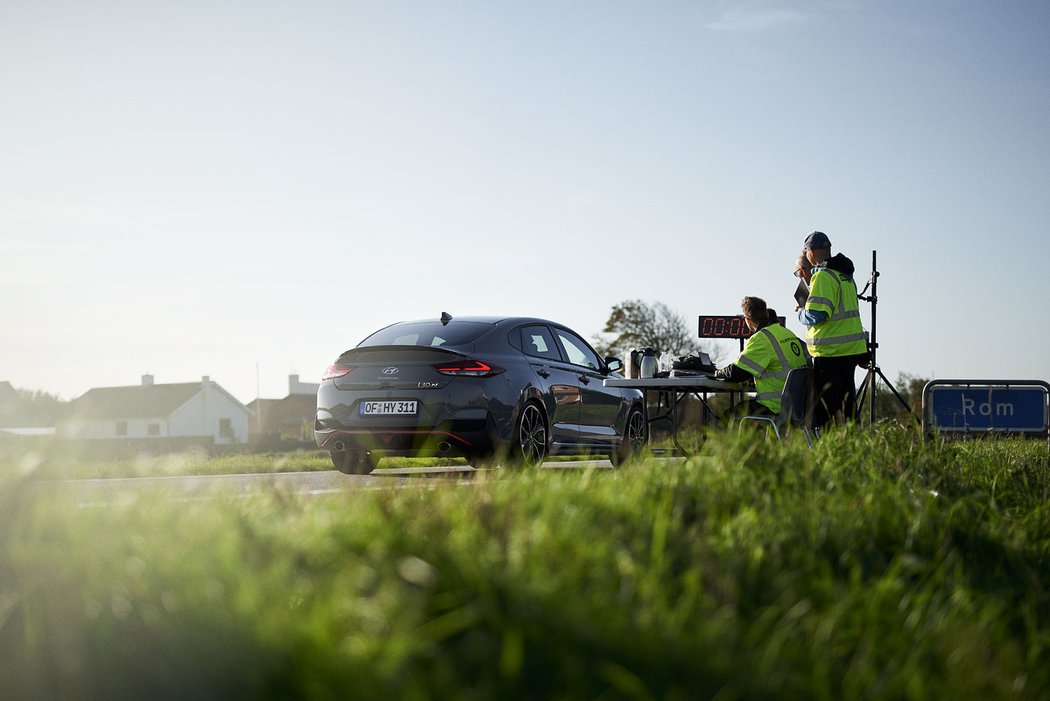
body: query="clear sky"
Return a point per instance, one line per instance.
(245, 188)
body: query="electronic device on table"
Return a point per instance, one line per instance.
(696, 365)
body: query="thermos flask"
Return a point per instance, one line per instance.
(648, 365)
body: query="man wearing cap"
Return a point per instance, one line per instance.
(834, 332)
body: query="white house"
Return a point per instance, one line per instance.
(277, 423)
(296, 387)
(198, 410)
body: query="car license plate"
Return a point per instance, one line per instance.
(388, 407)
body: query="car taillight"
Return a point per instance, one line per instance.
(335, 370)
(468, 368)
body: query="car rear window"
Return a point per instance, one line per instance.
(431, 334)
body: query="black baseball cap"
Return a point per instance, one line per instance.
(817, 240)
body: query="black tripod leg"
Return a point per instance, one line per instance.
(863, 385)
(862, 393)
(894, 390)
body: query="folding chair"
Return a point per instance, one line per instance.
(794, 405)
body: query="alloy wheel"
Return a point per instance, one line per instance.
(532, 435)
(634, 438)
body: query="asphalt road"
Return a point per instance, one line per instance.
(103, 491)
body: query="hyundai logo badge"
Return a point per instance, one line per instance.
(390, 371)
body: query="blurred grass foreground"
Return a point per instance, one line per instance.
(872, 567)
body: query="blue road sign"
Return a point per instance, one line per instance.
(987, 408)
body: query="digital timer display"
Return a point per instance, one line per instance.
(724, 326)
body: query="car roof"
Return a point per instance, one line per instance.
(494, 320)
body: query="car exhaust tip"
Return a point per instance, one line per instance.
(339, 446)
(444, 446)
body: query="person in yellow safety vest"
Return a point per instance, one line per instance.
(834, 331)
(769, 354)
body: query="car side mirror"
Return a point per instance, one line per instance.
(613, 364)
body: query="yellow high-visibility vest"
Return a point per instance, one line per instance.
(770, 354)
(842, 332)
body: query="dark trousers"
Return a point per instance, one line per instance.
(751, 407)
(834, 388)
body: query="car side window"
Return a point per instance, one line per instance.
(577, 350)
(537, 341)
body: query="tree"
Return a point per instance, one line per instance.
(34, 408)
(638, 324)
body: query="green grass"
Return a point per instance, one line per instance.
(873, 567)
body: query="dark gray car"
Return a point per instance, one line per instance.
(514, 388)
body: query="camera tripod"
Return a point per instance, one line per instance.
(866, 391)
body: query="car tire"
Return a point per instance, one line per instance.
(530, 437)
(634, 438)
(352, 462)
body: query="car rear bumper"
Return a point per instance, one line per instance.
(464, 437)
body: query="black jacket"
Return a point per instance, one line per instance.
(841, 264)
(734, 373)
